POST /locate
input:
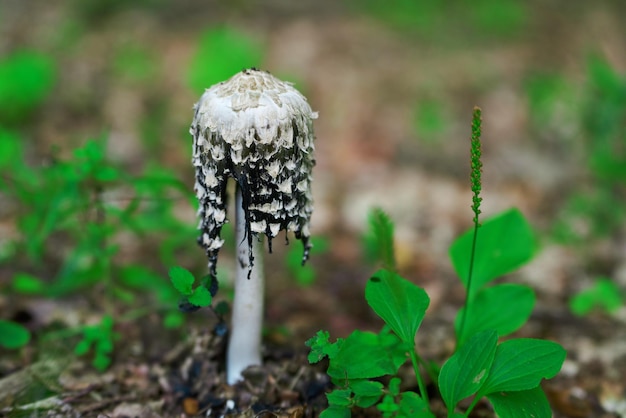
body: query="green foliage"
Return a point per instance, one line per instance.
(183, 281)
(221, 53)
(13, 335)
(505, 242)
(69, 200)
(595, 210)
(467, 370)
(26, 79)
(503, 308)
(378, 240)
(442, 20)
(98, 339)
(604, 295)
(400, 303)
(484, 368)
(480, 367)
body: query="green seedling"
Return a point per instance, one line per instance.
(13, 335)
(192, 291)
(378, 240)
(98, 339)
(507, 374)
(604, 295)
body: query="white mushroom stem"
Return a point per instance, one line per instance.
(244, 347)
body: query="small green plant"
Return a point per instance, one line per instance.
(99, 339)
(13, 335)
(595, 209)
(26, 79)
(604, 295)
(508, 374)
(183, 281)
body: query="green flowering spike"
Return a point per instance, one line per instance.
(476, 164)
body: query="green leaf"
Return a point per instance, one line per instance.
(173, 320)
(394, 386)
(504, 243)
(101, 361)
(201, 297)
(321, 347)
(182, 280)
(413, 406)
(334, 411)
(28, 284)
(366, 387)
(520, 364)
(604, 294)
(340, 397)
(13, 335)
(504, 308)
(26, 78)
(400, 303)
(379, 241)
(363, 356)
(521, 404)
(388, 406)
(468, 369)
(366, 392)
(82, 347)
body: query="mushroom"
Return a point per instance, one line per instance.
(258, 130)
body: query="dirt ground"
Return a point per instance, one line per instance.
(366, 78)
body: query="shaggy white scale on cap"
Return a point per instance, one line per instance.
(258, 130)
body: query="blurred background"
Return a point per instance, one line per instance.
(96, 101)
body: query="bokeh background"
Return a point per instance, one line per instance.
(394, 83)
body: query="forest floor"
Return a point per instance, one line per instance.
(367, 81)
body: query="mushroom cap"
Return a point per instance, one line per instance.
(258, 130)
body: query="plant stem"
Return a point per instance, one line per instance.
(468, 295)
(244, 347)
(420, 382)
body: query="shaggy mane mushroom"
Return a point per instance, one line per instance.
(258, 130)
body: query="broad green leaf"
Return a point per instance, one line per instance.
(467, 370)
(201, 297)
(362, 356)
(13, 335)
(334, 411)
(366, 392)
(521, 404)
(340, 397)
(379, 241)
(82, 347)
(413, 406)
(182, 280)
(400, 303)
(522, 363)
(504, 308)
(504, 243)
